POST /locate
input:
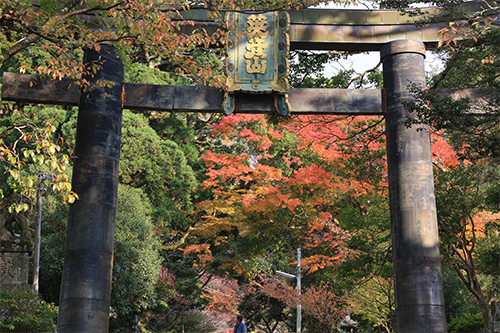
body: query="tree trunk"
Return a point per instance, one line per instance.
(472, 284)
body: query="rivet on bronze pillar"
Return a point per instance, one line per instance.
(415, 241)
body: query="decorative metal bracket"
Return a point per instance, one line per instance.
(257, 54)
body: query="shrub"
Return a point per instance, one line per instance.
(22, 310)
(468, 323)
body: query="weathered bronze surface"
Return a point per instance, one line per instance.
(415, 241)
(88, 263)
(28, 88)
(356, 30)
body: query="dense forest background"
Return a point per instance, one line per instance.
(210, 206)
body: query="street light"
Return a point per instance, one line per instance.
(296, 276)
(38, 229)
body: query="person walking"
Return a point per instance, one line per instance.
(240, 326)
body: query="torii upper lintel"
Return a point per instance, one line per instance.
(356, 30)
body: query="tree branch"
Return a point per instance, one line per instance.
(179, 242)
(35, 36)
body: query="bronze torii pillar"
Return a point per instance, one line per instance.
(415, 241)
(88, 261)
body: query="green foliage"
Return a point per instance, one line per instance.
(489, 250)
(54, 219)
(50, 6)
(373, 301)
(375, 78)
(136, 261)
(488, 260)
(467, 323)
(457, 299)
(19, 59)
(473, 137)
(138, 73)
(181, 130)
(23, 311)
(403, 5)
(307, 68)
(192, 321)
(178, 300)
(365, 216)
(460, 196)
(156, 164)
(160, 168)
(469, 188)
(472, 63)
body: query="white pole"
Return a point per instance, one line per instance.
(299, 306)
(38, 230)
(296, 276)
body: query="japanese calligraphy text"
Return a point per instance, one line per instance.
(257, 34)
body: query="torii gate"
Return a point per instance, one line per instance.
(86, 281)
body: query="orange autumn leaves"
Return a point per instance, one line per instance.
(288, 178)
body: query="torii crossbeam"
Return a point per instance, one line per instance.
(25, 88)
(86, 284)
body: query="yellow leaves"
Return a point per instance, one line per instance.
(18, 208)
(51, 129)
(14, 174)
(373, 300)
(72, 197)
(38, 152)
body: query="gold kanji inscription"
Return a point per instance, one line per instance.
(257, 34)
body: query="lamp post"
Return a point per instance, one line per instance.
(299, 287)
(38, 229)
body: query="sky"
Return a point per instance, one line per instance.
(366, 61)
